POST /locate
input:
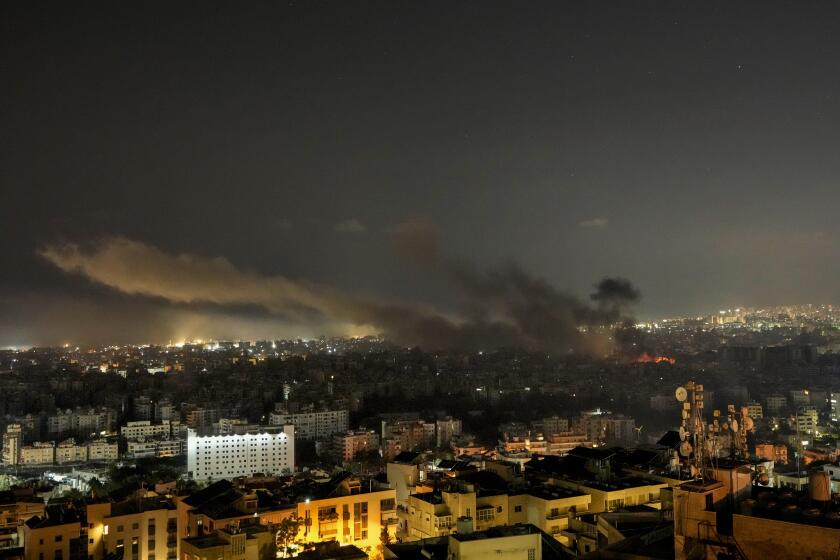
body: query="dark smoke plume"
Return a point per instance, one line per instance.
(505, 306)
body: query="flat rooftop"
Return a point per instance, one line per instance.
(497, 532)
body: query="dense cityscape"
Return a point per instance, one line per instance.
(567, 454)
(419, 280)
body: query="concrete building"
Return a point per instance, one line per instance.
(202, 419)
(446, 430)
(142, 528)
(355, 513)
(269, 450)
(313, 425)
(800, 398)
(775, 404)
(515, 544)
(806, 421)
(157, 447)
(55, 536)
(165, 411)
(39, 453)
(778, 453)
(102, 450)
(435, 514)
(68, 451)
(348, 445)
(247, 542)
(755, 410)
(604, 428)
(82, 422)
(145, 429)
(553, 425)
(12, 443)
(15, 510)
(409, 435)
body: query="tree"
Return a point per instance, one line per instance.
(73, 494)
(287, 533)
(384, 540)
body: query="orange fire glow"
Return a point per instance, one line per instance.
(646, 358)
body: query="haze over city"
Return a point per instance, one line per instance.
(687, 148)
(390, 280)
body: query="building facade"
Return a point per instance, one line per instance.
(269, 450)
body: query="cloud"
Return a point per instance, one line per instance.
(594, 223)
(352, 225)
(502, 306)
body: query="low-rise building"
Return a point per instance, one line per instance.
(145, 429)
(55, 536)
(39, 453)
(68, 451)
(143, 528)
(247, 542)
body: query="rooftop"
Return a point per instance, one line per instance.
(497, 532)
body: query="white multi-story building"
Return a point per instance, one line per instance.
(145, 429)
(313, 425)
(268, 450)
(12, 442)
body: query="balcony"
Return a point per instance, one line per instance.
(389, 521)
(327, 517)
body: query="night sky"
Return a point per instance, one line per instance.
(191, 170)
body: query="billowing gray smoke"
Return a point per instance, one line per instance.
(505, 306)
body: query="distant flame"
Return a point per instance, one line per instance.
(646, 358)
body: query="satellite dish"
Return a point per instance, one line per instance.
(748, 423)
(734, 425)
(681, 394)
(685, 449)
(683, 434)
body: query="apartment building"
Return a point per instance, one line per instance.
(347, 446)
(355, 512)
(267, 450)
(54, 536)
(138, 529)
(313, 425)
(145, 429)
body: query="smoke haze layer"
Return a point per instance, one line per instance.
(503, 306)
